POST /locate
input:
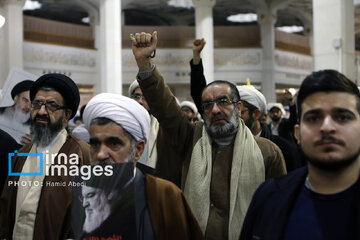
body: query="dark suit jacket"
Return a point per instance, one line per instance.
(289, 150)
(272, 204)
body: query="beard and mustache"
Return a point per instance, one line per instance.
(97, 214)
(332, 165)
(43, 134)
(226, 130)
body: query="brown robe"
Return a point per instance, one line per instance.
(170, 214)
(53, 217)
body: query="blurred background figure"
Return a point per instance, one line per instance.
(80, 131)
(190, 110)
(14, 119)
(280, 126)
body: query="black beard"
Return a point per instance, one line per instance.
(42, 134)
(250, 123)
(276, 119)
(333, 166)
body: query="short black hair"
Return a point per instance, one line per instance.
(327, 80)
(234, 91)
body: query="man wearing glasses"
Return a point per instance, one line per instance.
(29, 211)
(222, 163)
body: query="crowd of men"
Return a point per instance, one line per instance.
(149, 167)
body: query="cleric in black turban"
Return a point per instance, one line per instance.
(64, 85)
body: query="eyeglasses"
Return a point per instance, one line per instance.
(50, 106)
(137, 96)
(207, 106)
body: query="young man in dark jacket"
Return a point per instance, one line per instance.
(320, 201)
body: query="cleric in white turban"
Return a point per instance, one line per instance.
(122, 110)
(119, 128)
(253, 96)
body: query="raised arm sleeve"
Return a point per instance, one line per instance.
(197, 83)
(164, 107)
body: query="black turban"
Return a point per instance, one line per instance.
(21, 87)
(64, 85)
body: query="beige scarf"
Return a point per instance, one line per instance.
(152, 142)
(247, 173)
(28, 196)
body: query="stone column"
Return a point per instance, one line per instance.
(267, 19)
(334, 41)
(110, 47)
(205, 29)
(12, 36)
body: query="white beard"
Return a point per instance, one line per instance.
(19, 116)
(94, 219)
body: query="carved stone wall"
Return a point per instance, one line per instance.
(79, 64)
(235, 65)
(293, 61)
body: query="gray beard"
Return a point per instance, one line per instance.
(223, 131)
(42, 135)
(96, 219)
(97, 216)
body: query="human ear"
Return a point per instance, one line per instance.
(139, 149)
(297, 133)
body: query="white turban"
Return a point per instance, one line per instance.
(134, 85)
(277, 105)
(190, 105)
(253, 96)
(123, 110)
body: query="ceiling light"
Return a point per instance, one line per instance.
(31, 5)
(2, 21)
(243, 17)
(292, 91)
(86, 20)
(291, 29)
(181, 3)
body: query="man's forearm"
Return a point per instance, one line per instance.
(163, 106)
(144, 64)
